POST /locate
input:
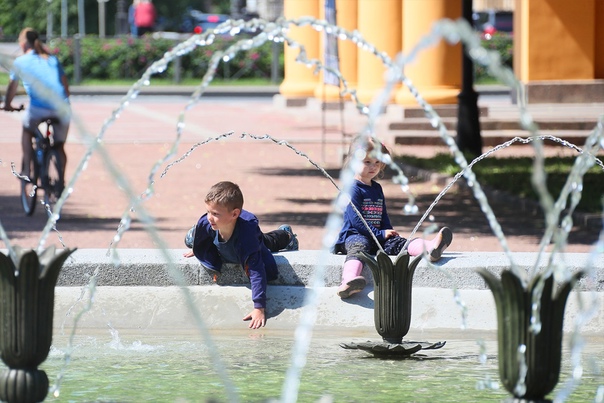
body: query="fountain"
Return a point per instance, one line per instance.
(452, 32)
(28, 291)
(392, 306)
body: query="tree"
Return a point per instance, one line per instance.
(18, 14)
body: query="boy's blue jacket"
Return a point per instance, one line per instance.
(255, 258)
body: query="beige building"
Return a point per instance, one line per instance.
(558, 48)
(480, 5)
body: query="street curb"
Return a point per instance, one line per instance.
(170, 90)
(221, 91)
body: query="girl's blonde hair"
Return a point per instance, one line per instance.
(367, 144)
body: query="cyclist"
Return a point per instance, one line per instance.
(40, 72)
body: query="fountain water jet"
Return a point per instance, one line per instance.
(333, 223)
(444, 30)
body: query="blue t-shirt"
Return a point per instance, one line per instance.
(227, 249)
(39, 75)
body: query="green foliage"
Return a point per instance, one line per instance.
(513, 175)
(128, 58)
(18, 14)
(502, 43)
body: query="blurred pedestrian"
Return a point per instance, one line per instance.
(133, 30)
(144, 17)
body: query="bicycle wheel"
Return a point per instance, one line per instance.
(52, 180)
(29, 189)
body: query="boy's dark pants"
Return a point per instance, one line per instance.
(276, 240)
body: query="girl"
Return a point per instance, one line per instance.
(368, 198)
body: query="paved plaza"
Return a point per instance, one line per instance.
(279, 185)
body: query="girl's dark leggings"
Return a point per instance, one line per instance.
(356, 244)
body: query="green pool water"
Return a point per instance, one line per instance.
(178, 368)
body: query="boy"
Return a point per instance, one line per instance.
(227, 233)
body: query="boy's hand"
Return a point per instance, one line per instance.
(257, 318)
(389, 233)
(189, 253)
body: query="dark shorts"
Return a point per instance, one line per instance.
(356, 244)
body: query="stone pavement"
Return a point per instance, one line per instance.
(279, 185)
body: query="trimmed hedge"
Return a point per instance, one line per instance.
(128, 58)
(502, 43)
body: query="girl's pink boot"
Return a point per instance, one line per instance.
(352, 281)
(435, 247)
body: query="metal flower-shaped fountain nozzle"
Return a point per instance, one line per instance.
(392, 305)
(27, 292)
(541, 350)
(392, 294)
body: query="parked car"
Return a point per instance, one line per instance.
(198, 22)
(488, 22)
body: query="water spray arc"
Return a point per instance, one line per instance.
(277, 32)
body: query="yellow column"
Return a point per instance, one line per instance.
(599, 46)
(380, 24)
(557, 42)
(436, 72)
(346, 17)
(300, 81)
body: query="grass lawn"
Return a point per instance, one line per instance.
(189, 81)
(513, 175)
(158, 81)
(186, 82)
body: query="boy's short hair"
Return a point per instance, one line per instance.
(226, 194)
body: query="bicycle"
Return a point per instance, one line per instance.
(45, 169)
